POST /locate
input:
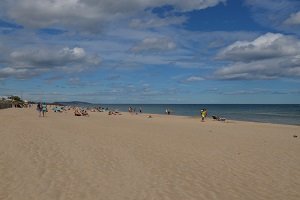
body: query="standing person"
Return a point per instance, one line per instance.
(168, 112)
(203, 114)
(140, 110)
(39, 108)
(44, 109)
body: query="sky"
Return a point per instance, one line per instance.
(151, 51)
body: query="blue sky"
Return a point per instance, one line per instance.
(151, 51)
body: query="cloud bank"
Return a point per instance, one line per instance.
(26, 63)
(270, 56)
(294, 19)
(89, 15)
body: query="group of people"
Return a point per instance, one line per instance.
(168, 111)
(81, 112)
(134, 110)
(42, 109)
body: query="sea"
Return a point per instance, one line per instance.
(264, 113)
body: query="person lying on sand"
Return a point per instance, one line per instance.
(77, 113)
(114, 113)
(84, 113)
(218, 118)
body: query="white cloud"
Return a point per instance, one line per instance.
(151, 47)
(270, 56)
(154, 21)
(26, 63)
(294, 19)
(194, 78)
(32, 58)
(154, 44)
(76, 53)
(18, 73)
(266, 46)
(266, 69)
(88, 15)
(256, 91)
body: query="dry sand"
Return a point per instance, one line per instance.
(132, 157)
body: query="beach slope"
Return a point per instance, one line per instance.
(134, 157)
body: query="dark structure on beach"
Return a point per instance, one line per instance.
(5, 105)
(12, 101)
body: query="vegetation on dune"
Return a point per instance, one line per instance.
(11, 101)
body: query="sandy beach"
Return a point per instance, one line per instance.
(132, 157)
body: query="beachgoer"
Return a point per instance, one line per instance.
(140, 110)
(76, 112)
(44, 109)
(203, 114)
(39, 109)
(168, 112)
(84, 113)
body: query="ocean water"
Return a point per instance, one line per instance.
(265, 113)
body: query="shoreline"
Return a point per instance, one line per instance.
(274, 113)
(210, 119)
(180, 116)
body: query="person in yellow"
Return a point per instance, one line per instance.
(203, 114)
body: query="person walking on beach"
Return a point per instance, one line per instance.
(39, 109)
(44, 109)
(203, 114)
